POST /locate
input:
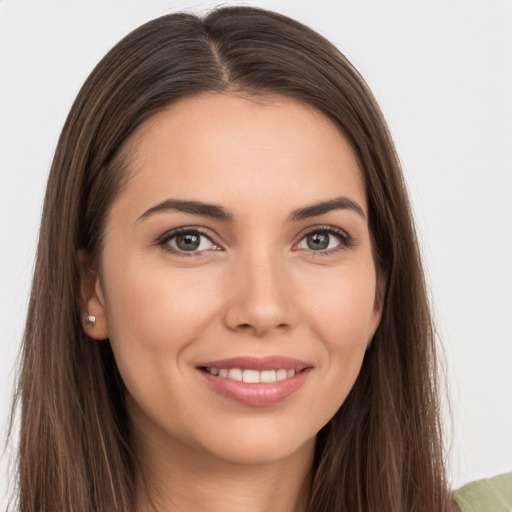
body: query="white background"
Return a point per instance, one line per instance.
(441, 70)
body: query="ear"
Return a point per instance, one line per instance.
(91, 300)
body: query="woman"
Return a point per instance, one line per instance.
(228, 307)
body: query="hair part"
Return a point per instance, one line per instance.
(382, 451)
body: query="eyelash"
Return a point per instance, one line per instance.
(164, 240)
(346, 241)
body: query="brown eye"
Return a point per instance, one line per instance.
(189, 241)
(325, 240)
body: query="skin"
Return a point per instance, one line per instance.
(256, 289)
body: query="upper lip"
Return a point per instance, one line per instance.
(257, 363)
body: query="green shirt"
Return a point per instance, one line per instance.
(487, 495)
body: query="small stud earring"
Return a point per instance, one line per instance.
(90, 320)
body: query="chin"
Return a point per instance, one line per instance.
(261, 451)
(262, 445)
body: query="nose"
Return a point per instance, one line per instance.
(261, 296)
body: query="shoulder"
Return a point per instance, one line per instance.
(487, 495)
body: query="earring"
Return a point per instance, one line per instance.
(90, 320)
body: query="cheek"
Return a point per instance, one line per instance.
(155, 318)
(341, 308)
(342, 316)
(159, 309)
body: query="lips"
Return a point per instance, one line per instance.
(257, 382)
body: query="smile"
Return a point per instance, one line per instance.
(251, 376)
(256, 382)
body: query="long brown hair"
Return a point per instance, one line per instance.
(382, 451)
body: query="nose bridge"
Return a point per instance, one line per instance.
(262, 298)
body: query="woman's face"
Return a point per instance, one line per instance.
(239, 249)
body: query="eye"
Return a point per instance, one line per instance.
(325, 240)
(187, 240)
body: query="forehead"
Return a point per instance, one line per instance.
(222, 148)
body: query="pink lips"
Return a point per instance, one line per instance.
(256, 394)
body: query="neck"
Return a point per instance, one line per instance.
(174, 477)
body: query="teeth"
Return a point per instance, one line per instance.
(281, 374)
(268, 376)
(235, 374)
(252, 376)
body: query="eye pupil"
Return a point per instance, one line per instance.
(188, 241)
(318, 241)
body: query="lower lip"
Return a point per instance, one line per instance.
(257, 395)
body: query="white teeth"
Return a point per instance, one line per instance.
(235, 374)
(252, 376)
(268, 376)
(281, 374)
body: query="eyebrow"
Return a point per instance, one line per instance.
(218, 212)
(194, 207)
(339, 203)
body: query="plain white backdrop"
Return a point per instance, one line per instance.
(441, 71)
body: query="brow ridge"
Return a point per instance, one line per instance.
(338, 203)
(193, 207)
(220, 213)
